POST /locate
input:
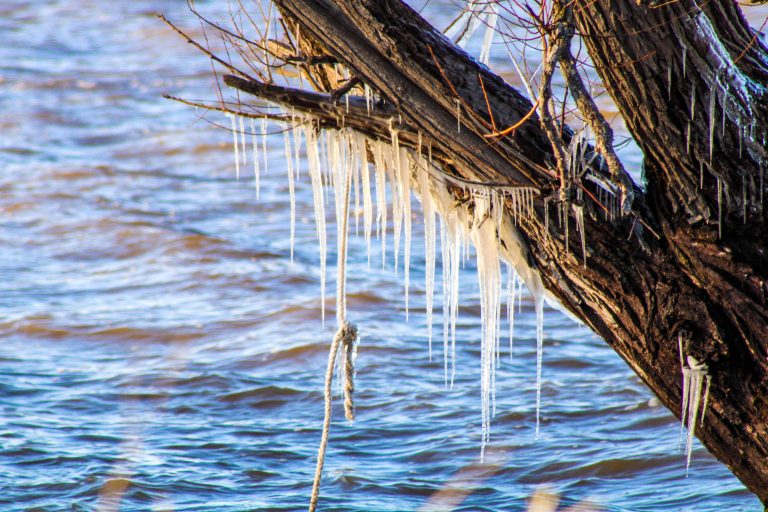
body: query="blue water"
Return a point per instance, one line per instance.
(160, 351)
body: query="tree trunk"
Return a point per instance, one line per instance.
(690, 261)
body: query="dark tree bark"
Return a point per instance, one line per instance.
(690, 258)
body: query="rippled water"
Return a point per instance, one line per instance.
(160, 351)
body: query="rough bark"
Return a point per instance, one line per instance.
(693, 256)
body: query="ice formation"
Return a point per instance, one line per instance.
(430, 236)
(291, 186)
(263, 130)
(311, 138)
(338, 164)
(235, 144)
(255, 145)
(695, 378)
(244, 152)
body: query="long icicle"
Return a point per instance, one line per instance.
(367, 201)
(291, 186)
(235, 144)
(405, 188)
(255, 159)
(428, 209)
(244, 152)
(313, 157)
(381, 198)
(263, 130)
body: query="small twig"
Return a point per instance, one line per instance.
(197, 45)
(487, 103)
(516, 125)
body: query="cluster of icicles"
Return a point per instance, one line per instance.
(339, 160)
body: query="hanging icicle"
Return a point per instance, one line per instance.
(695, 378)
(255, 158)
(428, 210)
(484, 238)
(235, 144)
(244, 151)
(291, 186)
(315, 173)
(264, 144)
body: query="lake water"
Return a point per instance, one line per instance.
(160, 351)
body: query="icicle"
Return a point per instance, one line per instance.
(381, 199)
(428, 210)
(484, 238)
(367, 89)
(405, 181)
(579, 211)
(244, 153)
(355, 163)
(296, 149)
(291, 187)
(264, 144)
(712, 103)
(315, 173)
(452, 220)
(235, 144)
(686, 381)
(685, 51)
(694, 378)
(396, 188)
(445, 260)
(688, 138)
(367, 202)
(719, 208)
(255, 158)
